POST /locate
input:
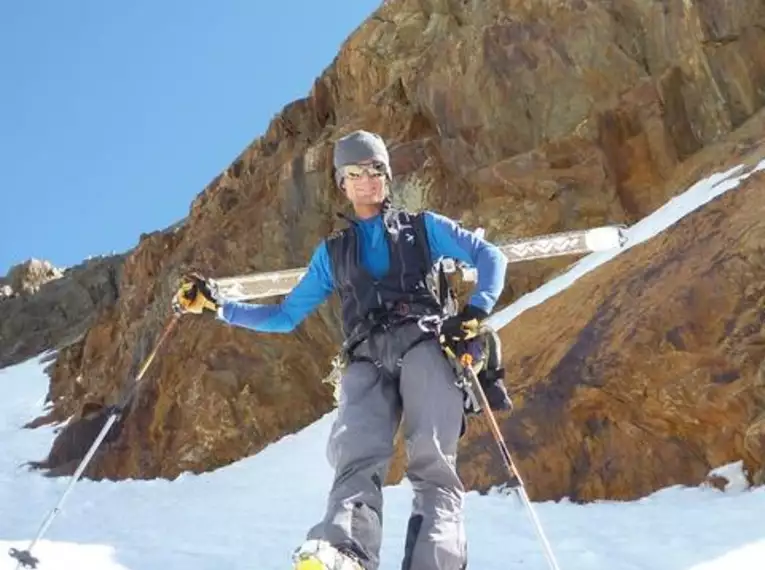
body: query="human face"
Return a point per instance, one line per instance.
(365, 185)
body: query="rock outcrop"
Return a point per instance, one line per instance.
(27, 278)
(520, 117)
(48, 309)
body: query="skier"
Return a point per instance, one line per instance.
(395, 329)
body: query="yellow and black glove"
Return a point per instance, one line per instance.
(462, 327)
(195, 294)
(473, 344)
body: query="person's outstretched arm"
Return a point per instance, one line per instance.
(310, 292)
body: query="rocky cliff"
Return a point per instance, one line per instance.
(44, 308)
(520, 117)
(647, 371)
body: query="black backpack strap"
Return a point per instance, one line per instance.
(447, 299)
(421, 235)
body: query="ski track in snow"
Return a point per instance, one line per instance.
(251, 514)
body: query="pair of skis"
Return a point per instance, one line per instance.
(576, 242)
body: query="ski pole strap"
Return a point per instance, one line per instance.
(465, 360)
(461, 364)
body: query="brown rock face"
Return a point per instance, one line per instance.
(521, 117)
(647, 371)
(49, 309)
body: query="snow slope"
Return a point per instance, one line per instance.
(250, 515)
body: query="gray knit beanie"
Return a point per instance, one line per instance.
(359, 146)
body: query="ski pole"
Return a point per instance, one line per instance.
(466, 365)
(25, 557)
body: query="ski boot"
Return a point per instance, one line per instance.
(321, 555)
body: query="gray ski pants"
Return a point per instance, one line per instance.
(360, 447)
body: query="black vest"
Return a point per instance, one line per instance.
(403, 293)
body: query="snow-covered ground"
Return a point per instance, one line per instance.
(250, 515)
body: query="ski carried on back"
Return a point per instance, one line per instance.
(575, 242)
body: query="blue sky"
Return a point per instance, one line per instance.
(114, 115)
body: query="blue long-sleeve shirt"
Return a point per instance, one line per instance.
(446, 239)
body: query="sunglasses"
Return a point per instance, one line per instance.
(356, 171)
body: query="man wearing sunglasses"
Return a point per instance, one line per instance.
(394, 366)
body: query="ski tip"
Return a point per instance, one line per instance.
(602, 239)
